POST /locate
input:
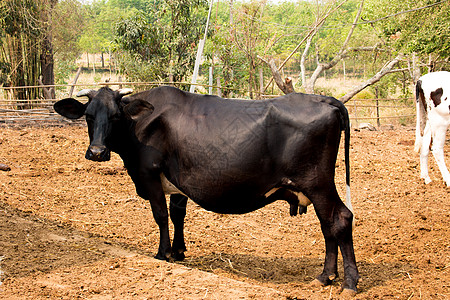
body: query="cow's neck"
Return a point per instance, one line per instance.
(124, 144)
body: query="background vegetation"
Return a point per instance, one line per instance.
(380, 44)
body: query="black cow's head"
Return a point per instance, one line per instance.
(102, 113)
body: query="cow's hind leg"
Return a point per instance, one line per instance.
(438, 151)
(330, 271)
(336, 224)
(178, 204)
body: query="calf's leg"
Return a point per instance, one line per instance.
(424, 152)
(438, 151)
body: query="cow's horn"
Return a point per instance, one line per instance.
(125, 91)
(84, 92)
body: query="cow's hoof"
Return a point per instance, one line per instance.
(178, 256)
(324, 280)
(317, 283)
(162, 257)
(347, 294)
(302, 209)
(293, 208)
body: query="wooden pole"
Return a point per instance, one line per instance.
(75, 81)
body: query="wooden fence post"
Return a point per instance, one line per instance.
(378, 107)
(75, 81)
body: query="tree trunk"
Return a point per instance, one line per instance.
(261, 82)
(219, 90)
(231, 11)
(286, 85)
(17, 64)
(250, 80)
(303, 60)
(47, 63)
(415, 72)
(48, 77)
(341, 55)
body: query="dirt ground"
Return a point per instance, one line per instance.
(75, 229)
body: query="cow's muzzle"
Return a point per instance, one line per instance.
(98, 153)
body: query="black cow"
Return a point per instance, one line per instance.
(228, 156)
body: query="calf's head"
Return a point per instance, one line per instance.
(102, 111)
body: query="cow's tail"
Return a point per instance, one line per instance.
(348, 201)
(420, 115)
(345, 125)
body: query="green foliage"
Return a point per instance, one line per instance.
(425, 31)
(157, 39)
(161, 42)
(264, 30)
(101, 17)
(365, 95)
(22, 31)
(68, 24)
(63, 70)
(232, 67)
(5, 69)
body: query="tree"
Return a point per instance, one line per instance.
(27, 45)
(68, 19)
(21, 33)
(419, 29)
(101, 19)
(346, 49)
(160, 43)
(248, 34)
(46, 57)
(239, 40)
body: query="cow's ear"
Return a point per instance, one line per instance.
(70, 108)
(137, 108)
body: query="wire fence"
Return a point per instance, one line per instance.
(40, 112)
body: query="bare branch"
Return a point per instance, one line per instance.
(385, 70)
(285, 86)
(312, 31)
(355, 23)
(309, 86)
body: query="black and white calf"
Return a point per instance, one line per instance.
(433, 119)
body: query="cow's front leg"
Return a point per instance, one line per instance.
(159, 209)
(424, 152)
(178, 204)
(150, 188)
